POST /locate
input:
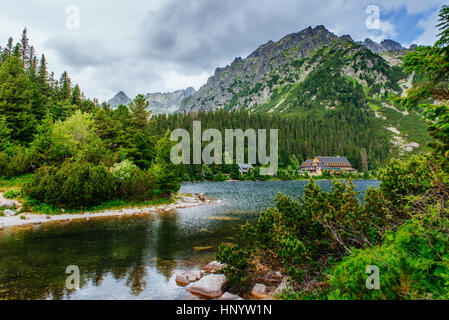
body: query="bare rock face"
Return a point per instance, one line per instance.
(186, 277)
(210, 286)
(260, 291)
(229, 296)
(214, 267)
(120, 99)
(160, 102)
(386, 45)
(168, 102)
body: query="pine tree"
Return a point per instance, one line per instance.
(166, 173)
(42, 74)
(66, 87)
(15, 103)
(139, 111)
(8, 50)
(25, 48)
(76, 96)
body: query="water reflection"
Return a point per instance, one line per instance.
(134, 257)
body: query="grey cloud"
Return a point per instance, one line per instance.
(203, 34)
(140, 45)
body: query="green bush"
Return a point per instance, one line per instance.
(78, 185)
(299, 236)
(402, 227)
(413, 263)
(237, 264)
(14, 162)
(135, 184)
(11, 194)
(74, 185)
(124, 170)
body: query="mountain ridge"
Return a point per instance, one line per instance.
(160, 102)
(267, 59)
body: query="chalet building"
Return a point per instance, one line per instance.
(335, 165)
(245, 168)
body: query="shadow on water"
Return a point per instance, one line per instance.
(133, 257)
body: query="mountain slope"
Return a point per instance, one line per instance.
(249, 82)
(316, 75)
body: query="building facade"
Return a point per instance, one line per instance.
(335, 165)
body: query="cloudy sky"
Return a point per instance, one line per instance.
(141, 46)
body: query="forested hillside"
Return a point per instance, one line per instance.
(82, 154)
(299, 138)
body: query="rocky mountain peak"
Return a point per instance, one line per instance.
(160, 102)
(119, 99)
(385, 45)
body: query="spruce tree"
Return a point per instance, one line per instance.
(42, 73)
(15, 102)
(65, 83)
(25, 48)
(139, 111)
(76, 96)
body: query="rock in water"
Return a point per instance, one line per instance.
(209, 287)
(260, 291)
(214, 267)
(186, 277)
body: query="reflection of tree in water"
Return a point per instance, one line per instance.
(136, 280)
(33, 264)
(167, 243)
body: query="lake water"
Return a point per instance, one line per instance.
(134, 257)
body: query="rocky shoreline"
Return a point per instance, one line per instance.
(14, 219)
(209, 284)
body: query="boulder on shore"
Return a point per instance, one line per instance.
(214, 267)
(8, 204)
(260, 291)
(229, 296)
(210, 287)
(283, 286)
(186, 277)
(9, 213)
